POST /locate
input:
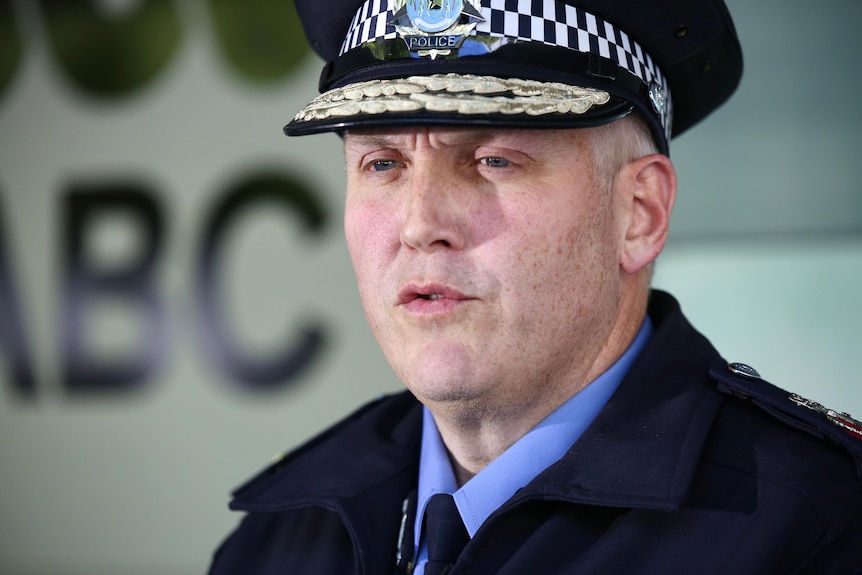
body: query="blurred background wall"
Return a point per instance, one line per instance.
(177, 305)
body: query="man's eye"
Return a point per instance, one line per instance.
(382, 165)
(493, 162)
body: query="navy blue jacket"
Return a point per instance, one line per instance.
(689, 468)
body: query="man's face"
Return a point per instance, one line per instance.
(487, 261)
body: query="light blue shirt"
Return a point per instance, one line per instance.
(543, 445)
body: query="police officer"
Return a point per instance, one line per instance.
(508, 190)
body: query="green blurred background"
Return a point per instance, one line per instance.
(176, 107)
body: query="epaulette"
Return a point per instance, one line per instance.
(743, 381)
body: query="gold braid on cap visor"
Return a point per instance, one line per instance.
(463, 94)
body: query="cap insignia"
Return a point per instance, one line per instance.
(657, 98)
(432, 28)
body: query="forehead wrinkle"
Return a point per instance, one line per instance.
(450, 135)
(454, 136)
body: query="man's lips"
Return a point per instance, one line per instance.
(430, 293)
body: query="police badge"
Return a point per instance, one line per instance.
(435, 27)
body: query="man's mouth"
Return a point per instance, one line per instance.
(430, 296)
(430, 292)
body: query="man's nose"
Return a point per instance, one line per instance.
(435, 210)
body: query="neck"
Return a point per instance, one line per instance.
(475, 433)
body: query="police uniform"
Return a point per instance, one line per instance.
(693, 465)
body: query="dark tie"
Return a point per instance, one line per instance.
(445, 534)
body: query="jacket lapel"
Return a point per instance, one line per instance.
(643, 448)
(362, 469)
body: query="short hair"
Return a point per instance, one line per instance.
(618, 143)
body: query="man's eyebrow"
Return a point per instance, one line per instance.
(367, 140)
(387, 139)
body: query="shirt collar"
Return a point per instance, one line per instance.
(546, 443)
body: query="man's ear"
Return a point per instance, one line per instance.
(649, 191)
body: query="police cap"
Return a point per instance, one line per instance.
(519, 63)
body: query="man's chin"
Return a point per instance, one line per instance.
(450, 397)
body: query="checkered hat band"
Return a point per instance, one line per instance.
(550, 22)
